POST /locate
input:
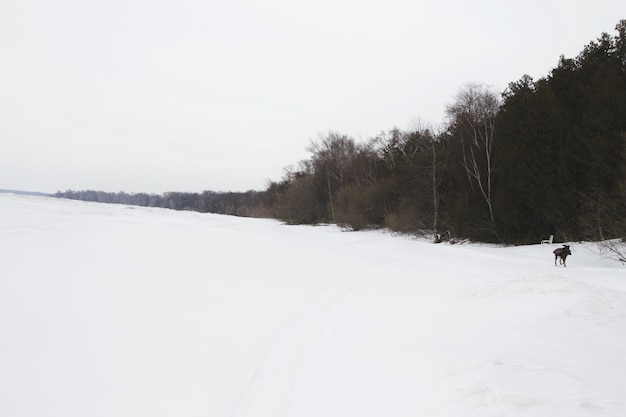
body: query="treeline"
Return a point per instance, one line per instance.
(543, 157)
(248, 204)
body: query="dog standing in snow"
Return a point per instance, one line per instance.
(561, 253)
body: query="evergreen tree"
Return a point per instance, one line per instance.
(561, 147)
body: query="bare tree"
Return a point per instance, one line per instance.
(333, 158)
(472, 117)
(433, 160)
(390, 145)
(436, 181)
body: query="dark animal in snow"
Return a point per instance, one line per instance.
(561, 254)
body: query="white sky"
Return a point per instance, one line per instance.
(193, 95)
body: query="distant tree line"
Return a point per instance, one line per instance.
(247, 204)
(544, 157)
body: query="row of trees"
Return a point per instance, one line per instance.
(544, 157)
(567, 134)
(248, 204)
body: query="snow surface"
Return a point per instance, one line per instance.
(110, 310)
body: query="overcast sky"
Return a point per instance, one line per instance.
(193, 95)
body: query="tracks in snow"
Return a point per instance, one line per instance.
(291, 359)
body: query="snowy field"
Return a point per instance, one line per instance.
(117, 311)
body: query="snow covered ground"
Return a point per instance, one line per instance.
(109, 310)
